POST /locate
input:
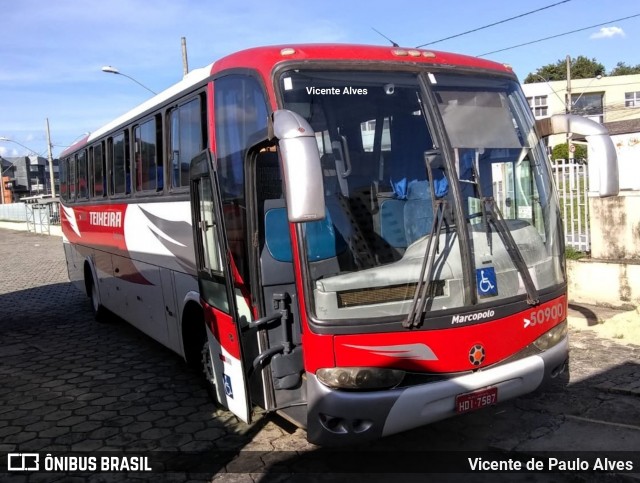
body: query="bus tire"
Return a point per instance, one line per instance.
(99, 312)
(208, 374)
(196, 347)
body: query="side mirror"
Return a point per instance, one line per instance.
(603, 158)
(301, 167)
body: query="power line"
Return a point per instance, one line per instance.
(493, 24)
(559, 35)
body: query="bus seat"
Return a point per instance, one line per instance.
(322, 240)
(418, 211)
(392, 222)
(160, 178)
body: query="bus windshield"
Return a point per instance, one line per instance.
(422, 171)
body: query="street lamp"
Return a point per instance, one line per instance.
(6, 139)
(112, 70)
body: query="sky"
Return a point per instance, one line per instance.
(51, 53)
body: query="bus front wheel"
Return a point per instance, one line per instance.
(208, 374)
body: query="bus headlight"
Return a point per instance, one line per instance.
(360, 377)
(551, 337)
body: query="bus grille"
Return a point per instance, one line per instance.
(393, 293)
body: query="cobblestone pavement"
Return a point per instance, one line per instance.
(68, 383)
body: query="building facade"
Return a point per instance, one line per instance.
(603, 99)
(25, 176)
(613, 101)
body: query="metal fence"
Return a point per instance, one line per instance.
(572, 183)
(13, 212)
(37, 212)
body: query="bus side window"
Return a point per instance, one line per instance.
(148, 158)
(64, 169)
(72, 178)
(186, 139)
(120, 165)
(82, 192)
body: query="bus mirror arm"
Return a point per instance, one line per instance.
(601, 148)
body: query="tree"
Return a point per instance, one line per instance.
(622, 68)
(560, 151)
(581, 68)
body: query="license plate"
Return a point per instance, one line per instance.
(471, 401)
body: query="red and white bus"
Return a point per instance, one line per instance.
(363, 239)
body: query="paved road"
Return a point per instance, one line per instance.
(69, 384)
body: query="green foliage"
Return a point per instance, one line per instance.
(571, 253)
(549, 72)
(581, 68)
(622, 68)
(560, 151)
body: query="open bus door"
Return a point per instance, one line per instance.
(223, 363)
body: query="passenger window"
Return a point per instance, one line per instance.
(82, 191)
(64, 169)
(187, 138)
(120, 166)
(72, 178)
(148, 160)
(97, 168)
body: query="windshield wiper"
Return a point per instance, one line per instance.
(422, 294)
(494, 217)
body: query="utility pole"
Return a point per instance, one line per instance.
(51, 176)
(1, 183)
(568, 105)
(185, 61)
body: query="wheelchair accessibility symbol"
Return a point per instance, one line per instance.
(228, 390)
(486, 282)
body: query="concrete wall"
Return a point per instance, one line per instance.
(611, 277)
(598, 282)
(615, 227)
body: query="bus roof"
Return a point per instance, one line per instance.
(264, 59)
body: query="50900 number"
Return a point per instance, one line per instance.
(547, 314)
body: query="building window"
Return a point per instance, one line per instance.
(589, 105)
(632, 99)
(538, 105)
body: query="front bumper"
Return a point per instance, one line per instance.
(349, 417)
